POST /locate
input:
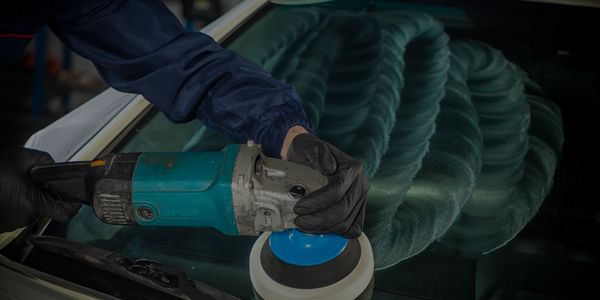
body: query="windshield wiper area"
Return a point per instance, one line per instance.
(170, 280)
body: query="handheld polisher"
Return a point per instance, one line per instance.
(238, 191)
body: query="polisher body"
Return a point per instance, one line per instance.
(238, 190)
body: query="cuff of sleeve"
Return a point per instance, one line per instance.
(274, 124)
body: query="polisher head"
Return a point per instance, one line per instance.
(293, 264)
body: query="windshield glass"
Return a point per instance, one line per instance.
(455, 120)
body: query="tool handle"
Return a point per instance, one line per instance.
(64, 181)
(59, 171)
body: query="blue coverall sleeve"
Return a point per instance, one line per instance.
(139, 46)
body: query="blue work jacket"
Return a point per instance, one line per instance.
(139, 46)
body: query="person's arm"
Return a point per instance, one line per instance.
(138, 46)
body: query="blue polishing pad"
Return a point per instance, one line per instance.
(305, 249)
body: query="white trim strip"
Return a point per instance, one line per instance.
(108, 133)
(220, 28)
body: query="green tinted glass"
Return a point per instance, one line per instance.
(461, 147)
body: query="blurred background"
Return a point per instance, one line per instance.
(51, 80)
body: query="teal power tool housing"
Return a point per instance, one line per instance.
(238, 191)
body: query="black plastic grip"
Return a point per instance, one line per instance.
(65, 181)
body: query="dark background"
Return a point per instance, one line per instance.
(556, 255)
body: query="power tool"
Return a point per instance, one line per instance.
(238, 191)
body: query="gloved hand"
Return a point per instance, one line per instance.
(339, 207)
(21, 202)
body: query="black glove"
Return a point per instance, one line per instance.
(21, 202)
(339, 207)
